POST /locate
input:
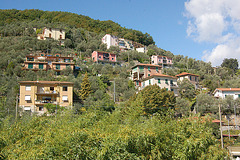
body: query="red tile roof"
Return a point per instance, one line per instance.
(228, 89)
(150, 65)
(185, 74)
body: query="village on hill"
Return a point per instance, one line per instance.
(110, 95)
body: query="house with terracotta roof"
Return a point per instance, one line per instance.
(163, 81)
(223, 92)
(141, 71)
(52, 33)
(193, 78)
(34, 94)
(104, 57)
(46, 62)
(164, 61)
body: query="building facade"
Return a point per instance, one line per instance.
(161, 80)
(164, 61)
(110, 40)
(35, 94)
(142, 71)
(54, 33)
(193, 78)
(46, 62)
(224, 92)
(104, 57)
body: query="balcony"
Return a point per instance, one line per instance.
(42, 102)
(47, 93)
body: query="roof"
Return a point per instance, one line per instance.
(45, 82)
(159, 75)
(216, 121)
(104, 52)
(226, 89)
(162, 56)
(185, 74)
(150, 65)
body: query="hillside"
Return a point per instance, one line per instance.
(74, 20)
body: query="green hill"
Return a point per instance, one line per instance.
(74, 20)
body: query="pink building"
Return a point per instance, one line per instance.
(104, 57)
(142, 71)
(164, 61)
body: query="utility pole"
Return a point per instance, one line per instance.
(16, 106)
(235, 116)
(220, 117)
(114, 96)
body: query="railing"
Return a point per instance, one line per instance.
(45, 101)
(47, 92)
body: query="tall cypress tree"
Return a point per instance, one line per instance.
(85, 88)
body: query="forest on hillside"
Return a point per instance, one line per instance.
(72, 20)
(132, 128)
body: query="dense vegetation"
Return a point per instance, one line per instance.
(97, 134)
(73, 20)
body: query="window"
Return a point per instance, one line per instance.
(171, 81)
(65, 88)
(99, 56)
(172, 90)
(51, 88)
(27, 97)
(166, 81)
(42, 54)
(157, 69)
(137, 83)
(50, 29)
(112, 58)
(149, 81)
(28, 88)
(65, 98)
(60, 30)
(148, 68)
(148, 75)
(50, 35)
(30, 65)
(143, 84)
(159, 81)
(190, 78)
(40, 66)
(141, 67)
(57, 55)
(167, 89)
(40, 108)
(58, 73)
(239, 96)
(67, 65)
(30, 59)
(196, 79)
(57, 66)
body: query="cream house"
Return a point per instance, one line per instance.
(163, 81)
(34, 94)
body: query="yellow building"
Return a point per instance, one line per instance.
(34, 94)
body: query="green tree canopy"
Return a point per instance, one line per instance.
(85, 88)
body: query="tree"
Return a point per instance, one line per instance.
(187, 89)
(206, 103)
(85, 87)
(230, 63)
(154, 99)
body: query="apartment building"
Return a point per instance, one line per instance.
(163, 81)
(193, 78)
(35, 94)
(164, 61)
(141, 71)
(46, 62)
(123, 44)
(104, 57)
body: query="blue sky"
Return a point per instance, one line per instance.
(201, 29)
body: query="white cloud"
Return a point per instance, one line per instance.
(218, 22)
